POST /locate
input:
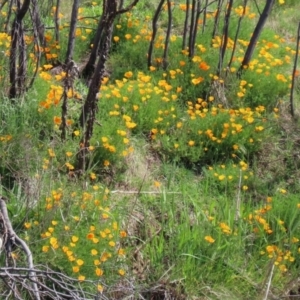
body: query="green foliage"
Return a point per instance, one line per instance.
(203, 171)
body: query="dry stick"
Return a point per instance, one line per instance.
(167, 40)
(192, 24)
(2, 4)
(257, 7)
(144, 192)
(186, 24)
(294, 73)
(204, 16)
(154, 31)
(269, 282)
(17, 50)
(236, 36)
(194, 33)
(238, 200)
(22, 62)
(12, 237)
(68, 82)
(73, 25)
(217, 16)
(225, 37)
(8, 16)
(37, 49)
(56, 21)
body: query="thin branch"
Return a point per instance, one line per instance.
(294, 72)
(11, 239)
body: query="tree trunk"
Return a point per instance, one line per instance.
(255, 36)
(17, 74)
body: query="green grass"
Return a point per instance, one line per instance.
(191, 189)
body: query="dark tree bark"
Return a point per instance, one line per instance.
(56, 21)
(88, 113)
(217, 18)
(6, 24)
(17, 73)
(196, 11)
(186, 24)
(38, 38)
(154, 31)
(256, 34)
(73, 24)
(204, 16)
(294, 73)
(90, 66)
(236, 36)
(37, 22)
(225, 37)
(168, 34)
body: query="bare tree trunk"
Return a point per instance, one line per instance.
(217, 18)
(167, 41)
(255, 36)
(294, 72)
(204, 16)
(236, 36)
(56, 21)
(88, 113)
(11, 4)
(73, 24)
(90, 66)
(154, 31)
(186, 24)
(196, 11)
(17, 74)
(225, 37)
(37, 22)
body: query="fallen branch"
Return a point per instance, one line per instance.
(146, 192)
(10, 238)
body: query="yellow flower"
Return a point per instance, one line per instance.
(259, 128)
(27, 225)
(191, 143)
(123, 234)
(81, 277)
(76, 132)
(111, 243)
(93, 176)
(94, 252)
(198, 80)
(106, 163)
(75, 269)
(75, 238)
(209, 239)
(128, 74)
(100, 288)
(45, 249)
(116, 39)
(157, 184)
(121, 272)
(79, 262)
(99, 272)
(222, 177)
